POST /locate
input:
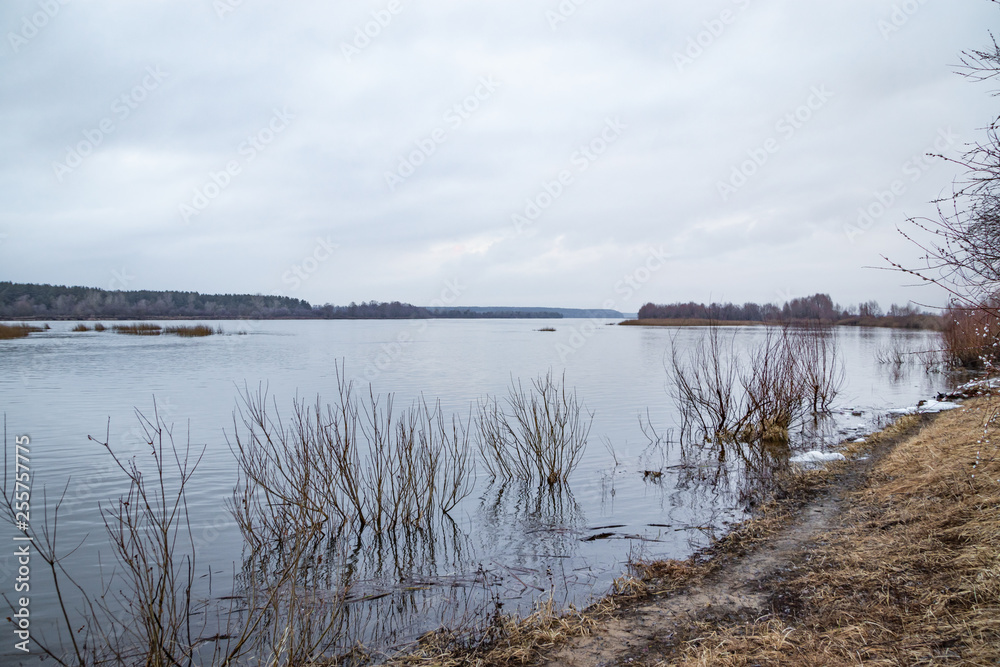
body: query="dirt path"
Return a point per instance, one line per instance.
(742, 588)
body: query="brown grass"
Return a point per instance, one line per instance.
(11, 331)
(195, 331)
(912, 576)
(140, 329)
(80, 327)
(507, 639)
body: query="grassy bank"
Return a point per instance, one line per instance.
(910, 576)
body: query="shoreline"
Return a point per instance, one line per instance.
(698, 322)
(747, 598)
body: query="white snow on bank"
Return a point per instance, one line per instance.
(926, 407)
(817, 457)
(990, 383)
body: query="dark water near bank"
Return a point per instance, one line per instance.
(512, 543)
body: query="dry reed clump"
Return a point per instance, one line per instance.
(80, 327)
(140, 329)
(912, 577)
(12, 331)
(196, 331)
(100, 327)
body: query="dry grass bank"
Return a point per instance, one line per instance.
(910, 576)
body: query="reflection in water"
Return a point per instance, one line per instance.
(377, 589)
(536, 532)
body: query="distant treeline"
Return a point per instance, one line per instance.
(818, 308)
(26, 301)
(22, 301)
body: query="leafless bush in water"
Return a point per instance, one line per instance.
(535, 433)
(301, 487)
(821, 367)
(145, 611)
(348, 466)
(724, 396)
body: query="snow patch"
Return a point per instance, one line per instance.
(925, 407)
(818, 457)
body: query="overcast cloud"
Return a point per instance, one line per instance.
(526, 153)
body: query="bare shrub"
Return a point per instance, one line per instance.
(972, 337)
(724, 396)
(536, 433)
(774, 386)
(821, 367)
(145, 610)
(348, 465)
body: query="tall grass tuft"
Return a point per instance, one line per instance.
(538, 433)
(140, 329)
(196, 331)
(80, 327)
(12, 331)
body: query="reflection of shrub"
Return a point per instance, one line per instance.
(538, 433)
(972, 337)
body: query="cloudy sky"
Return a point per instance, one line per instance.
(581, 153)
